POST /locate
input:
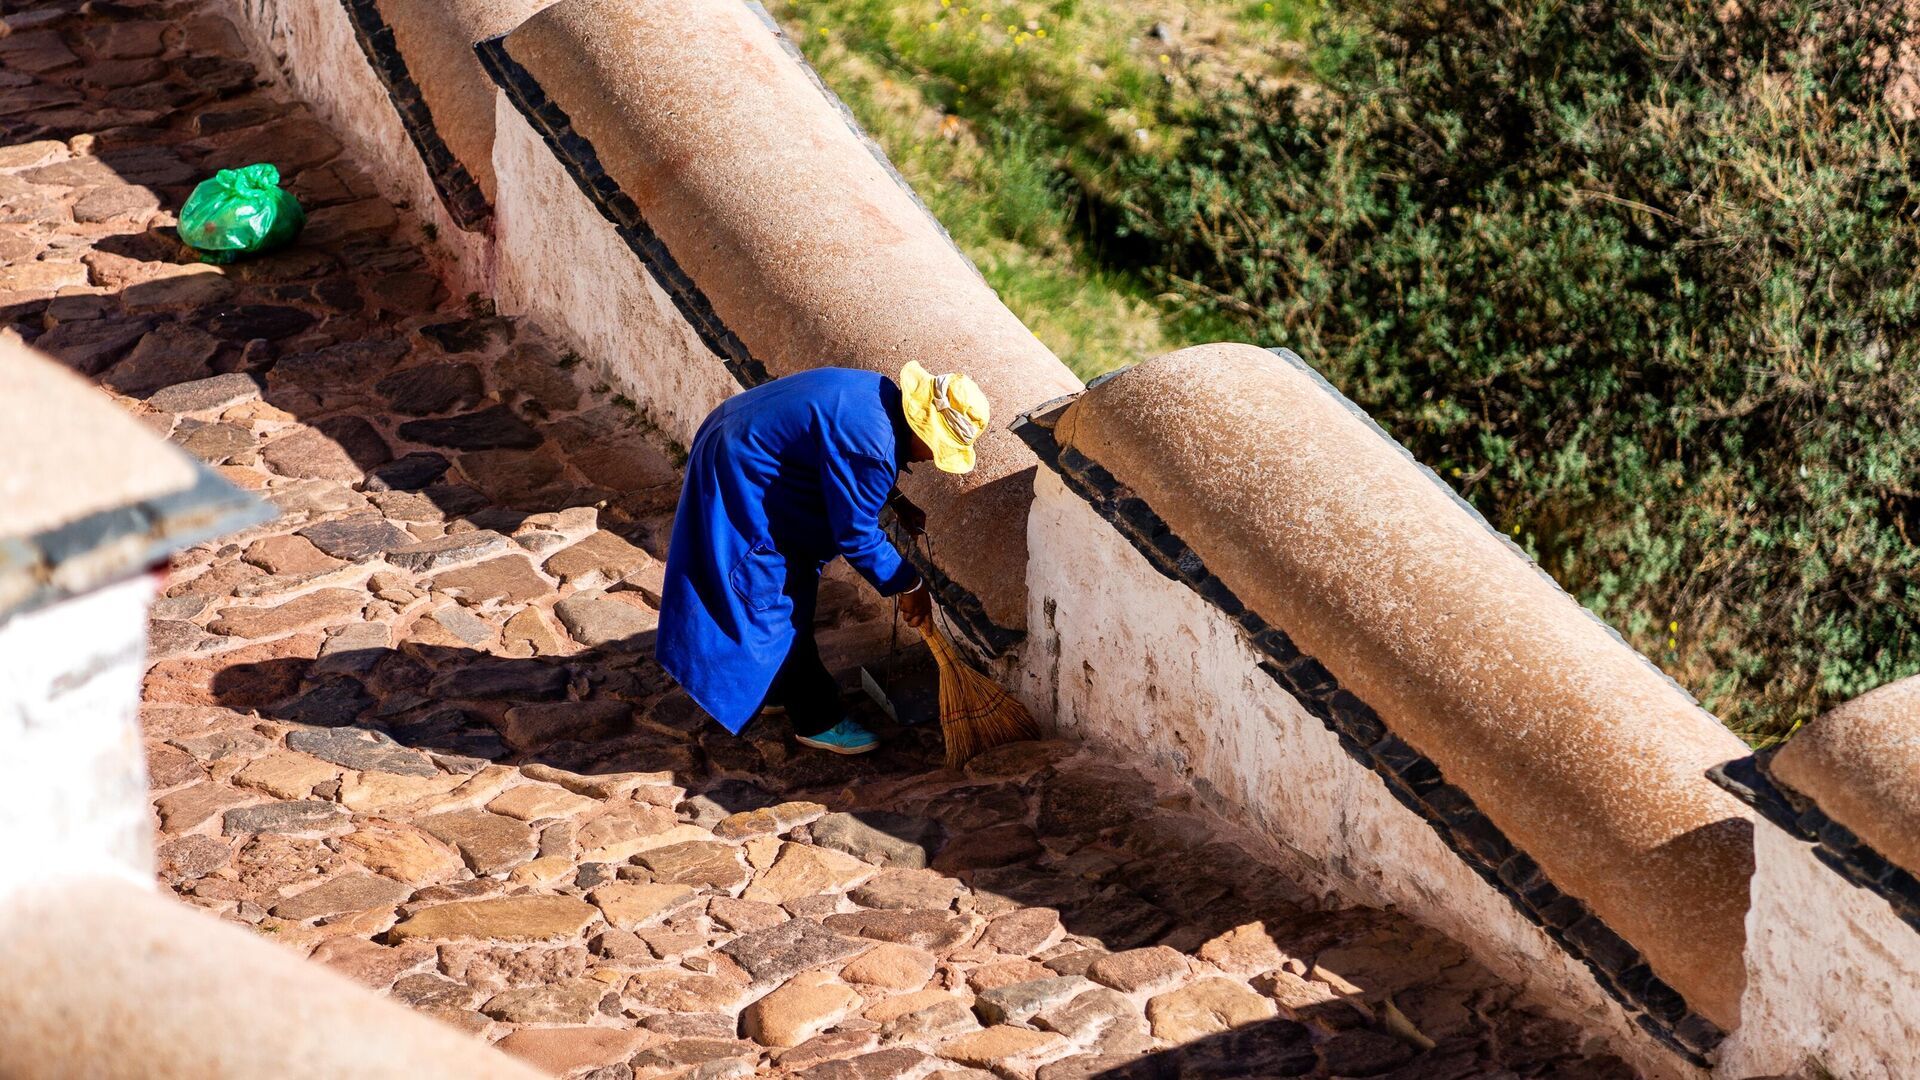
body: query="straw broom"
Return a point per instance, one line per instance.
(975, 713)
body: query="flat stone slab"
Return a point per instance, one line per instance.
(601, 559)
(498, 428)
(413, 472)
(435, 388)
(778, 953)
(489, 843)
(206, 395)
(363, 750)
(282, 817)
(355, 539)
(511, 918)
(510, 579)
(879, 836)
(320, 608)
(1016, 1003)
(629, 906)
(348, 892)
(595, 618)
(450, 550)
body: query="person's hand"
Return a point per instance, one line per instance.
(912, 518)
(916, 606)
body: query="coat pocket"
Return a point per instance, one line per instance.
(760, 577)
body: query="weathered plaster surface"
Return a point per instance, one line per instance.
(564, 265)
(1123, 657)
(311, 44)
(69, 696)
(1833, 976)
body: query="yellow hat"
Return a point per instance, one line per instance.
(948, 412)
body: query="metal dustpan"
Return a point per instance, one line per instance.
(905, 685)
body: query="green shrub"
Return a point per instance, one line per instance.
(1638, 277)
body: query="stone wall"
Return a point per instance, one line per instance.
(1143, 666)
(85, 522)
(314, 47)
(667, 186)
(1497, 713)
(1833, 974)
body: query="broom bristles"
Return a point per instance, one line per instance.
(975, 713)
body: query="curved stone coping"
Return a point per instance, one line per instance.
(1860, 762)
(784, 241)
(422, 52)
(107, 979)
(83, 510)
(1278, 501)
(1845, 783)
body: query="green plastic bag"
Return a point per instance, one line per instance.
(240, 212)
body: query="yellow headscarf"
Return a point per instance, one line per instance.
(948, 412)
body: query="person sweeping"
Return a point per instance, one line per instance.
(781, 480)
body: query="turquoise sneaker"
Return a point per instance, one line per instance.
(845, 737)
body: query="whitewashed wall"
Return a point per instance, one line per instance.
(564, 265)
(1833, 976)
(73, 779)
(1123, 657)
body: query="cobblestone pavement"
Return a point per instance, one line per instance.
(412, 727)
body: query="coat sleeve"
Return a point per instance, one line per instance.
(856, 487)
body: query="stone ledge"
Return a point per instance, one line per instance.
(103, 547)
(95, 513)
(1414, 779)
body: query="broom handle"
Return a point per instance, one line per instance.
(938, 644)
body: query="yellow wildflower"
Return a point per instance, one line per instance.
(1165, 59)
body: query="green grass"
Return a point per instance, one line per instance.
(1007, 125)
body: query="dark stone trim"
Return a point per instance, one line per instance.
(121, 541)
(582, 162)
(1750, 780)
(459, 192)
(1412, 777)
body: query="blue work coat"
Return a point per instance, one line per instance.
(780, 479)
